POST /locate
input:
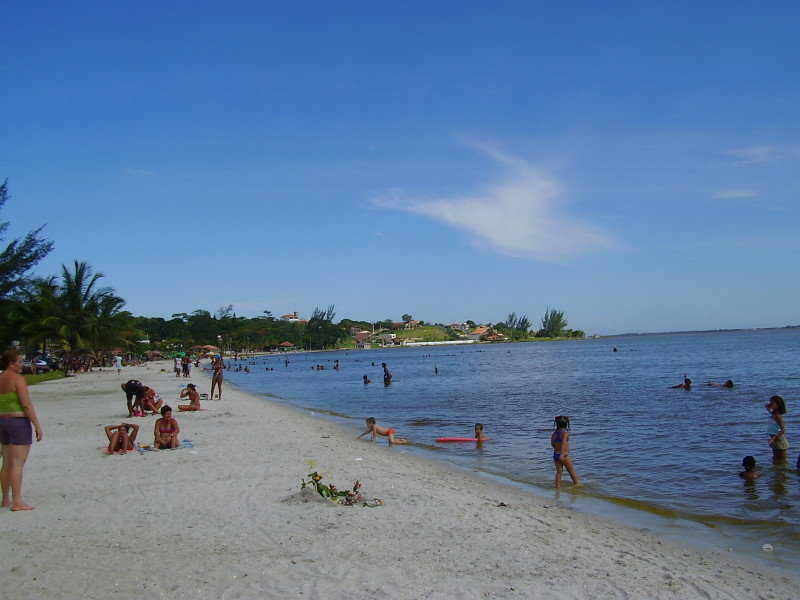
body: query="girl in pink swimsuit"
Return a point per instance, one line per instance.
(166, 430)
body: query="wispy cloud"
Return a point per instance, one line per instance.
(764, 154)
(522, 216)
(733, 194)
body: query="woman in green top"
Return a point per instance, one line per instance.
(16, 416)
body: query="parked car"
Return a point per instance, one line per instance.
(41, 366)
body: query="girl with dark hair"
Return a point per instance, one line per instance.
(776, 429)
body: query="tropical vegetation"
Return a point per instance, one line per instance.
(73, 316)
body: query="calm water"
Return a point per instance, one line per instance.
(662, 458)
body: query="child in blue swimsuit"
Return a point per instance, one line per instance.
(560, 443)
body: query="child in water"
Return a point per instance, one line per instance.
(750, 472)
(560, 443)
(776, 429)
(375, 429)
(479, 432)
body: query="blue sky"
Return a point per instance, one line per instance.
(634, 164)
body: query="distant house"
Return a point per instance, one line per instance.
(291, 317)
(460, 327)
(496, 337)
(388, 339)
(362, 340)
(478, 333)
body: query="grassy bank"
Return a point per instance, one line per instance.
(39, 377)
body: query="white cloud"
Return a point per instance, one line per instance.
(520, 217)
(732, 194)
(764, 154)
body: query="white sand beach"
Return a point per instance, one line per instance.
(227, 519)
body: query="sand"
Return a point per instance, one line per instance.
(227, 519)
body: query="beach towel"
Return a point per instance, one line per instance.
(142, 448)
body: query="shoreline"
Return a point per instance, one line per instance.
(228, 518)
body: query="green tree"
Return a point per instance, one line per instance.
(77, 315)
(516, 328)
(322, 331)
(20, 255)
(553, 323)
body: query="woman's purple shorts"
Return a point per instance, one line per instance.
(15, 431)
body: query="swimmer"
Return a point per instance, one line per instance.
(750, 472)
(367, 380)
(479, 432)
(686, 385)
(727, 384)
(375, 429)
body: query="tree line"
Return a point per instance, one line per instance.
(73, 315)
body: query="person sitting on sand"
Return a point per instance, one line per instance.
(121, 437)
(727, 384)
(479, 432)
(166, 430)
(375, 429)
(750, 472)
(194, 398)
(686, 385)
(149, 402)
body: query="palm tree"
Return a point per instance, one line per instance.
(76, 314)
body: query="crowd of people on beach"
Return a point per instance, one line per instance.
(142, 400)
(18, 416)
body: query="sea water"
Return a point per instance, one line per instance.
(660, 458)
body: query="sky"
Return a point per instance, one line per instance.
(635, 165)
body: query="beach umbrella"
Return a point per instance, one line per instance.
(179, 354)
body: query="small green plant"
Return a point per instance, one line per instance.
(349, 497)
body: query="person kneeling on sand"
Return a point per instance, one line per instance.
(121, 437)
(149, 402)
(194, 398)
(376, 430)
(166, 430)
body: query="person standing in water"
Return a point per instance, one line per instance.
(560, 443)
(387, 375)
(776, 428)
